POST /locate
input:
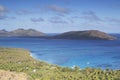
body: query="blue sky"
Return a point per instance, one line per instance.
(56, 16)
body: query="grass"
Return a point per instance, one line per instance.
(19, 60)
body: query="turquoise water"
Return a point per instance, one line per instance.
(83, 53)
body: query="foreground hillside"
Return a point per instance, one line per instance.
(17, 61)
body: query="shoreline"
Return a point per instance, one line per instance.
(20, 60)
(31, 54)
(35, 58)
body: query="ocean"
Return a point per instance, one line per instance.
(83, 53)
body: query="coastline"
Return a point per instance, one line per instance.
(20, 60)
(64, 66)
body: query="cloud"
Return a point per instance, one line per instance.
(76, 17)
(57, 20)
(23, 12)
(90, 16)
(3, 12)
(3, 9)
(61, 15)
(114, 20)
(2, 16)
(37, 19)
(59, 9)
(12, 17)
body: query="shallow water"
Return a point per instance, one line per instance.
(83, 53)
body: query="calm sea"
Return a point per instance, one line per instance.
(84, 53)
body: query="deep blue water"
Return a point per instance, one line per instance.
(83, 53)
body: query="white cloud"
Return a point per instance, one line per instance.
(58, 9)
(90, 16)
(37, 19)
(3, 12)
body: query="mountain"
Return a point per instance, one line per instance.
(3, 32)
(26, 33)
(22, 33)
(88, 35)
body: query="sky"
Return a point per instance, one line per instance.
(57, 16)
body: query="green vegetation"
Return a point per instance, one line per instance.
(19, 60)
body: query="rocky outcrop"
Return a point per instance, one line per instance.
(7, 75)
(88, 35)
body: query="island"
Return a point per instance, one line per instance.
(78, 35)
(22, 33)
(18, 63)
(3, 32)
(85, 35)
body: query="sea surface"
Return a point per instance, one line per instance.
(83, 53)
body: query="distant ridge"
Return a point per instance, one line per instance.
(86, 35)
(3, 32)
(22, 33)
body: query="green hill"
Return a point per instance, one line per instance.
(19, 60)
